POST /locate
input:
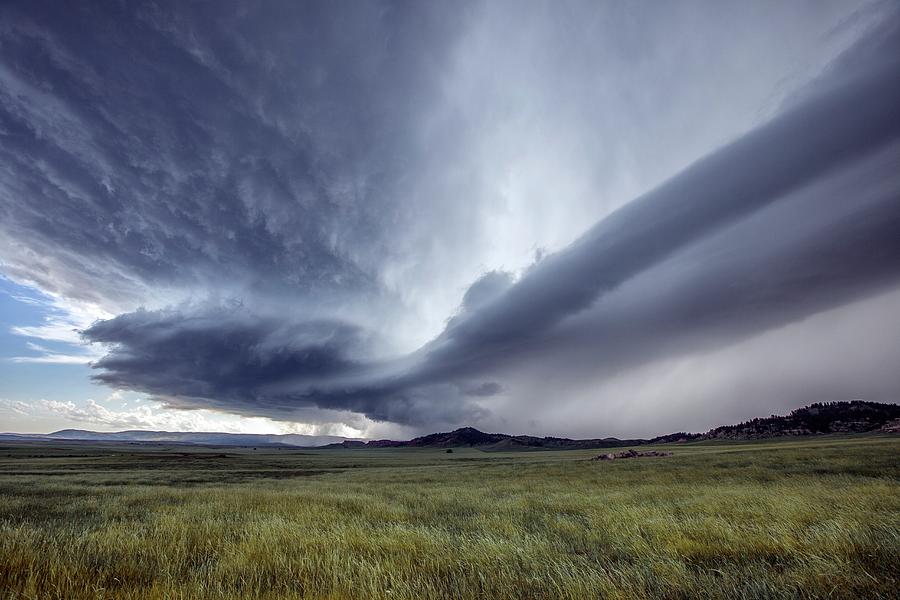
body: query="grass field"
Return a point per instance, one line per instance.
(814, 517)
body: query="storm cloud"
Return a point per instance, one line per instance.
(300, 213)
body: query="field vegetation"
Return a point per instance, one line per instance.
(807, 517)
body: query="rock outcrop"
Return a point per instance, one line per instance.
(630, 454)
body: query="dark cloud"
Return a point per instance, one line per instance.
(229, 358)
(168, 149)
(788, 181)
(754, 172)
(810, 252)
(220, 352)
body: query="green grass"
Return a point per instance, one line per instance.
(816, 517)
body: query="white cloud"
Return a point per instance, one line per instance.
(148, 414)
(16, 406)
(140, 417)
(53, 359)
(62, 321)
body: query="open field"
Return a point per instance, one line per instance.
(814, 517)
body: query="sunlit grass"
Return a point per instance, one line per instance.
(807, 518)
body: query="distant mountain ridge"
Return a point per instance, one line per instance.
(857, 416)
(192, 437)
(471, 437)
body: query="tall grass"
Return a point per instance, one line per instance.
(810, 518)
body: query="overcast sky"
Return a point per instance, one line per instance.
(382, 219)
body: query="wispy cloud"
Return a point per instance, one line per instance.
(53, 359)
(63, 321)
(16, 406)
(151, 415)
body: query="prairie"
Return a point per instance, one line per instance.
(795, 518)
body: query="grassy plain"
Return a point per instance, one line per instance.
(816, 517)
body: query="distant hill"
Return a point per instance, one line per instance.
(833, 417)
(469, 436)
(189, 437)
(473, 438)
(857, 416)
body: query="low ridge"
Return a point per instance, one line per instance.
(857, 416)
